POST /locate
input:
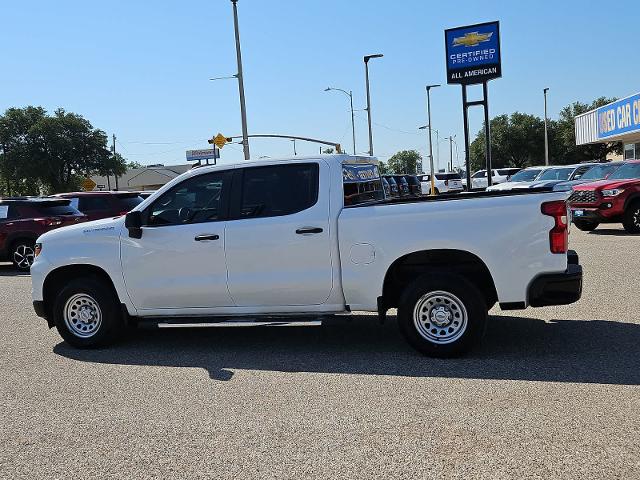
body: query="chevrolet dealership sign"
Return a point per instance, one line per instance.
(473, 53)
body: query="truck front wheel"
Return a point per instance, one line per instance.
(86, 313)
(442, 315)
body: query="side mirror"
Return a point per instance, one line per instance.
(133, 223)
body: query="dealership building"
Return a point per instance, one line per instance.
(618, 121)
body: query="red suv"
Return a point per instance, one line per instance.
(23, 220)
(97, 205)
(616, 199)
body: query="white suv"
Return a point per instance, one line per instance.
(445, 182)
(499, 175)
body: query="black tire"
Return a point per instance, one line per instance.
(23, 254)
(96, 334)
(631, 218)
(437, 340)
(585, 226)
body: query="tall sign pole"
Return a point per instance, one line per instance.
(473, 57)
(432, 172)
(243, 107)
(366, 76)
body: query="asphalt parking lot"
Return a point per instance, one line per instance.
(552, 393)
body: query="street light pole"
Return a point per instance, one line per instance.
(366, 72)
(433, 173)
(243, 107)
(546, 135)
(353, 120)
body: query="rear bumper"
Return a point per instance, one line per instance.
(557, 288)
(553, 288)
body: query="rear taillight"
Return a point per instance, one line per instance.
(48, 222)
(559, 234)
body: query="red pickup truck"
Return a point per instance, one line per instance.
(613, 200)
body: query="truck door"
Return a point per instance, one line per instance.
(179, 261)
(277, 239)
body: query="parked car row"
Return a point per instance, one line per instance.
(24, 219)
(601, 192)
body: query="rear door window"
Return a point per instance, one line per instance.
(278, 190)
(56, 210)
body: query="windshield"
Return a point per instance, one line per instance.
(557, 174)
(598, 172)
(628, 170)
(525, 175)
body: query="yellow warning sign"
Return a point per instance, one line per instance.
(220, 140)
(88, 184)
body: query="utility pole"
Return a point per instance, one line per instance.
(243, 108)
(366, 72)
(546, 135)
(450, 166)
(114, 155)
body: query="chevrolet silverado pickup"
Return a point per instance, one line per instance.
(263, 242)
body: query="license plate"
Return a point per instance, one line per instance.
(578, 213)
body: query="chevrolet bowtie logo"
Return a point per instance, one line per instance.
(472, 39)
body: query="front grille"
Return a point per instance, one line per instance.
(583, 196)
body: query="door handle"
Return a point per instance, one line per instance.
(201, 238)
(302, 231)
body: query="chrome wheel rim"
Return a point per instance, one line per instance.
(82, 315)
(636, 217)
(440, 317)
(23, 256)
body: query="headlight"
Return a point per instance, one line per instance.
(561, 188)
(612, 192)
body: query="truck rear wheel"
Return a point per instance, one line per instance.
(585, 226)
(442, 315)
(86, 313)
(631, 219)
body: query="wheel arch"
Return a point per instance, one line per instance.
(633, 198)
(57, 278)
(407, 268)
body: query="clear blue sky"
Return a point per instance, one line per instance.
(140, 69)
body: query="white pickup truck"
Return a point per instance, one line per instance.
(301, 239)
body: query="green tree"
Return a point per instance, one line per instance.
(19, 173)
(40, 153)
(383, 168)
(131, 164)
(516, 141)
(405, 161)
(565, 136)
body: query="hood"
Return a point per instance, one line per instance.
(507, 186)
(103, 227)
(545, 183)
(602, 184)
